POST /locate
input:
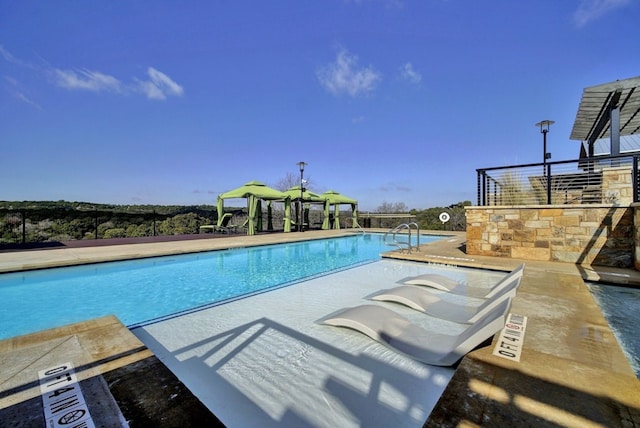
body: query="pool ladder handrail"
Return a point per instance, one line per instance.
(400, 244)
(356, 225)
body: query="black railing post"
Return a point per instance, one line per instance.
(478, 186)
(549, 181)
(634, 178)
(484, 187)
(96, 222)
(495, 192)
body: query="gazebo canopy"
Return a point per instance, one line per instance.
(336, 199)
(255, 191)
(307, 195)
(307, 198)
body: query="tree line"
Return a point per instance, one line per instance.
(56, 221)
(64, 221)
(429, 219)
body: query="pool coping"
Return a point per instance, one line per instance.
(572, 370)
(110, 363)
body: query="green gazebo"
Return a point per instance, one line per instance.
(306, 197)
(255, 192)
(336, 199)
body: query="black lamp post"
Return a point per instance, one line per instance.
(301, 165)
(544, 128)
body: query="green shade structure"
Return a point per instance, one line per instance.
(326, 222)
(259, 215)
(336, 199)
(287, 216)
(254, 192)
(307, 197)
(269, 216)
(220, 209)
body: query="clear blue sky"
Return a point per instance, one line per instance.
(160, 102)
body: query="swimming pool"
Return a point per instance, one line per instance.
(619, 306)
(139, 291)
(266, 361)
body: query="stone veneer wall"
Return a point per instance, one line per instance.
(598, 234)
(617, 185)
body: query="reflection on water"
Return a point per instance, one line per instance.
(620, 306)
(141, 290)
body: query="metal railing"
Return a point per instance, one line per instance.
(48, 224)
(38, 225)
(596, 180)
(391, 237)
(350, 222)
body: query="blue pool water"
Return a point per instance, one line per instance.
(138, 291)
(620, 308)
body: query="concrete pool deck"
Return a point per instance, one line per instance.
(572, 372)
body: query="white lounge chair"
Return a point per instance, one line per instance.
(423, 300)
(430, 347)
(444, 283)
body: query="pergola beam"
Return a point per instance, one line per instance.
(606, 118)
(608, 110)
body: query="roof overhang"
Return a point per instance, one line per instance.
(593, 120)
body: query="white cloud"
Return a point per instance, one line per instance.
(388, 3)
(22, 97)
(394, 187)
(344, 76)
(159, 86)
(86, 80)
(13, 87)
(590, 10)
(409, 74)
(8, 56)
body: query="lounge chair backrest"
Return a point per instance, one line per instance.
(224, 221)
(499, 311)
(505, 289)
(507, 282)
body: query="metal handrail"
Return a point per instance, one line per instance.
(560, 182)
(356, 225)
(400, 244)
(417, 234)
(394, 241)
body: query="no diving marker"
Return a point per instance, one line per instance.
(64, 404)
(444, 217)
(509, 344)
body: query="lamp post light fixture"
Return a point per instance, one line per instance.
(301, 165)
(544, 129)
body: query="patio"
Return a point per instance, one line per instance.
(572, 371)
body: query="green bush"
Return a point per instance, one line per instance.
(117, 232)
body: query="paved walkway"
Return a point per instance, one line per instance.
(572, 371)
